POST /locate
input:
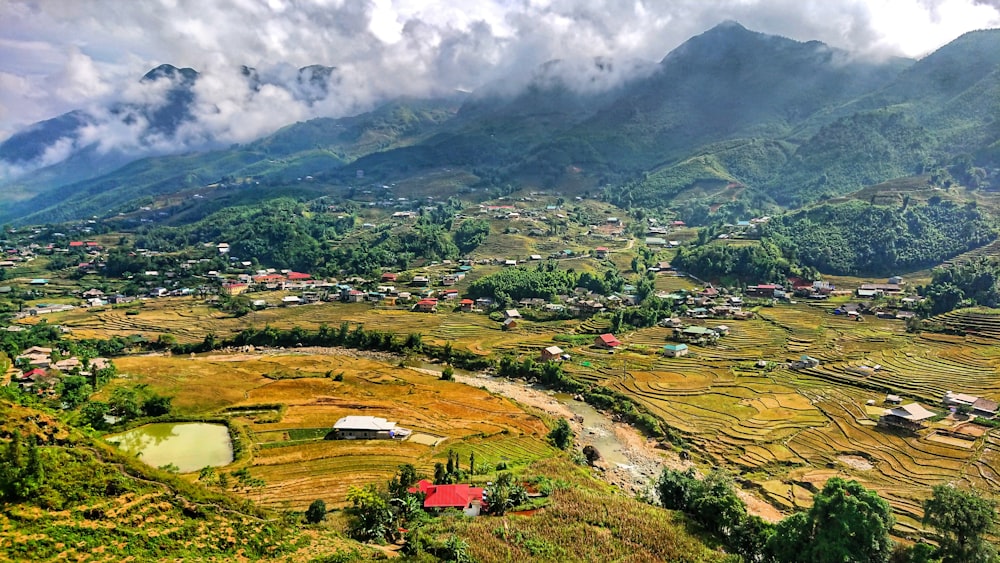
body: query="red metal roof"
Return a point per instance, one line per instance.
(76, 243)
(298, 276)
(609, 339)
(447, 496)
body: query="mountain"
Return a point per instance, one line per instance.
(285, 156)
(731, 119)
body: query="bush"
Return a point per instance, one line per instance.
(316, 512)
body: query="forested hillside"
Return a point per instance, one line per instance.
(789, 122)
(860, 238)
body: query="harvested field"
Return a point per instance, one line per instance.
(291, 455)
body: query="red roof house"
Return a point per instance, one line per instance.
(607, 340)
(31, 375)
(298, 276)
(427, 305)
(467, 304)
(388, 277)
(76, 244)
(464, 497)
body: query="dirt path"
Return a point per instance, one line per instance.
(645, 460)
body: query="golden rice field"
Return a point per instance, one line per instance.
(785, 431)
(297, 472)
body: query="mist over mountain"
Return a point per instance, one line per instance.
(792, 121)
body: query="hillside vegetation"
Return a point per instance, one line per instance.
(790, 122)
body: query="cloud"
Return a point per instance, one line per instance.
(57, 55)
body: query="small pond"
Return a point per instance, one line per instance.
(188, 445)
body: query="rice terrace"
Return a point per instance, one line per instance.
(785, 431)
(462, 295)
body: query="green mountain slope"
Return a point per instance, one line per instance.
(296, 151)
(789, 122)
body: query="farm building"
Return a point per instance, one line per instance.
(607, 341)
(601, 252)
(426, 306)
(552, 353)
(675, 350)
(979, 406)
(908, 417)
(805, 361)
(466, 498)
(511, 314)
(696, 334)
(509, 324)
(368, 428)
(467, 304)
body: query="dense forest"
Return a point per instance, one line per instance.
(754, 263)
(859, 238)
(545, 281)
(284, 233)
(964, 285)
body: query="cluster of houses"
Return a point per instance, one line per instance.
(36, 370)
(914, 417)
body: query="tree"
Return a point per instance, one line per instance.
(962, 519)
(847, 522)
(92, 414)
(370, 516)
(156, 405)
(316, 512)
(505, 493)
(405, 478)
(562, 434)
(124, 403)
(448, 374)
(716, 504)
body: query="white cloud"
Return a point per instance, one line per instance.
(57, 55)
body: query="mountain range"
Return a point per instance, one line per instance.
(785, 121)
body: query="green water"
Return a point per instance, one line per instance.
(188, 445)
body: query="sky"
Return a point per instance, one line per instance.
(58, 55)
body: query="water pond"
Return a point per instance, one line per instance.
(188, 445)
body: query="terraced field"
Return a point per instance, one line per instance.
(298, 472)
(787, 430)
(738, 402)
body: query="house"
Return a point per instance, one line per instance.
(656, 241)
(805, 361)
(420, 281)
(511, 314)
(763, 290)
(722, 330)
(910, 417)
(509, 324)
(696, 334)
(607, 341)
(879, 289)
(234, 288)
(467, 305)
(367, 428)
(978, 406)
(298, 276)
(893, 399)
(426, 306)
(551, 354)
(291, 300)
(675, 350)
(985, 408)
(510, 262)
(601, 252)
(466, 498)
(389, 277)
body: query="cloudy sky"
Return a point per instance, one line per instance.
(57, 55)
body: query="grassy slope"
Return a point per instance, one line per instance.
(97, 505)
